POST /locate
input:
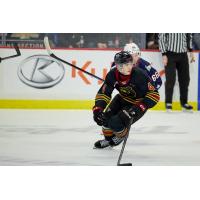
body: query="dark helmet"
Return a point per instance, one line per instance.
(123, 57)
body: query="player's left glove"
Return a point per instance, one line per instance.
(99, 116)
(126, 115)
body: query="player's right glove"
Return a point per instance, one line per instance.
(126, 115)
(99, 116)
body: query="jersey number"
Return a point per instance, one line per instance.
(155, 76)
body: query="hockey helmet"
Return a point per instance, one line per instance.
(132, 48)
(121, 58)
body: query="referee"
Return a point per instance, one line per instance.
(174, 48)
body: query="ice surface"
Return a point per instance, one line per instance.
(66, 138)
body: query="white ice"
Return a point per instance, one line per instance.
(66, 138)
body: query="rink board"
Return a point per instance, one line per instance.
(69, 104)
(73, 90)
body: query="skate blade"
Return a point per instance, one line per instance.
(106, 148)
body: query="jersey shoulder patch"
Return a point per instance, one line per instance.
(145, 65)
(151, 87)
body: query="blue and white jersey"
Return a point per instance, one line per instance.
(152, 72)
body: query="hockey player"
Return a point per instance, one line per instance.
(134, 50)
(137, 94)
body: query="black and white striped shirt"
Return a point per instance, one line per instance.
(175, 42)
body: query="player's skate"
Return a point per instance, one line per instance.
(112, 141)
(168, 107)
(187, 108)
(100, 144)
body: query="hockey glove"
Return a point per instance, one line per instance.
(99, 116)
(126, 115)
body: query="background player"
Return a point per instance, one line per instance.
(134, 50)
(136, 95)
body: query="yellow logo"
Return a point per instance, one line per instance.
(127, 91)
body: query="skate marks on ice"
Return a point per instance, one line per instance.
(158, 130)
(14, 161)
(157, 139)
(51, 145)
(176, 148)
(42, 129)
(44, 145)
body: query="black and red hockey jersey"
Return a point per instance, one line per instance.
(136, 88)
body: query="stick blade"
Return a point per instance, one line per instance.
(125, 164)
(47, 45)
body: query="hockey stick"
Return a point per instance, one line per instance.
(18, 53)
(122, 150)
(47, 46)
